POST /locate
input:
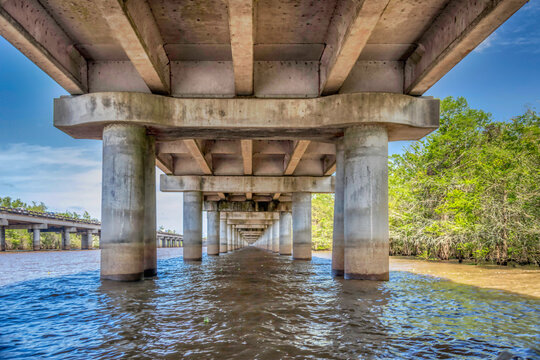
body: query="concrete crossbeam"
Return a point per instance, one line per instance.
(246, 206)
(405, 117)
(254, 184)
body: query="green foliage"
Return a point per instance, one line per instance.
(322, 215)
(469, 190)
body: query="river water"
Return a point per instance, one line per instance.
(250, 305)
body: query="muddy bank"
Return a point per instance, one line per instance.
(519, 280)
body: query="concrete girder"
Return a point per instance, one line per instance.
(135, 29)
(30, 28)
(241, 33)
(246, 206)
(348, 33)
(254, 184)
(447, 41)
(27, 226)
(405, 117)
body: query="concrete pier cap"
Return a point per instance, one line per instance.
(405, 117)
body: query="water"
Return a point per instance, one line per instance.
(252, 305)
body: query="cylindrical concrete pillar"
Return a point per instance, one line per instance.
(366, 203)
(123, 200)
(163, 242)
(86, 240)
(285, 233)
(275, 236)
(2, 238)
(301, 219)
(338, 239)
(223, 235)
(66, 239)
(193, 225)
(36, 239)
(229, 238)
(212, 233)
(150, 249)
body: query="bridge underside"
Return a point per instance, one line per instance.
(248, 107)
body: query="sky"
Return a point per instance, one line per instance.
(40, 163)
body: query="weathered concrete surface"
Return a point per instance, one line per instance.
(246, 206)
(66, 239)
(36, 240)
(285, 233)
(338, 237)
(150, 248)
(405, 117)
(122, 204)
(222, 234)
(229, 238)
(275, 237)
(429, 36)
(2, 238)
(212, 233)
(253, 184)
(192, 216)
(301, 225)
(366, 203)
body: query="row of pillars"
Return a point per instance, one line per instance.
(360, 243)
(165, 242)
(86, 241)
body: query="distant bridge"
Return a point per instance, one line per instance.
(38, 222)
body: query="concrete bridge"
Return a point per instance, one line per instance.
(37, 222)
(251, 103)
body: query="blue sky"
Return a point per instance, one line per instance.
(40, 163)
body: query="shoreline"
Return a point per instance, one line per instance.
(521, 280)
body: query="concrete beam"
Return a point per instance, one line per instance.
(255, 184)
(348, 33)
(247, 156)
(241, 33)
(405, 117)
(197, 154)
(165, 163)
(135, 29)
(461, 26)
(246, 206)
(296, 156)
(4, 222)
(29, 27)
(27, 226)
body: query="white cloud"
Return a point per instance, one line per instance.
(69, 178)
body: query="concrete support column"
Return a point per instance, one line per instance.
(212, 233)
(223, 235)
(86, 240)
(338, 239)
(123, 201)
(2, 238)
(275, 237)
(193, 225)
(301, 215)
(163, 242)
(285, 233)
(66, 239)
(150, 249)
(366, 203)
(229, 238)
(36, 239)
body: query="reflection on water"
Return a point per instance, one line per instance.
(255, 305)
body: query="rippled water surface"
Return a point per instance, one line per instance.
(251, 305)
